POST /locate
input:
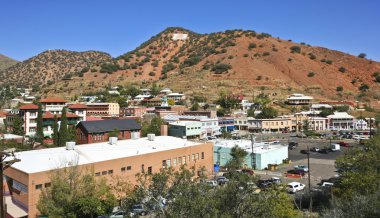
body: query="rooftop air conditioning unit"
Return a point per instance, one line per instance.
(113, 140)
(70, 145)
(135, 135)
(151, 136)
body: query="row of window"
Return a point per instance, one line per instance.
(110, 172)
(46, 185)
(182, 160)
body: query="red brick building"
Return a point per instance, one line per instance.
(98, 131)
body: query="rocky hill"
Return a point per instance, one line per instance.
(51, 66)
(237, 60)
(6, 62)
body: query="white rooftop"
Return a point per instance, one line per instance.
(52, 158)
(172, 117)
(317, 106)
(340, 115)
(175, 94)
(8, 136)
(258, 147)
(184, 123)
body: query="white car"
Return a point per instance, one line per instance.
(294, 187)
(212, 183)
(301, 167)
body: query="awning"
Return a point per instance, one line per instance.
(14, 210)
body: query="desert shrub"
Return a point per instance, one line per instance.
(259, 78)
(295, 49)
(93, 70)
(339, 88)
(245, 55)
(375, 74)
(220, 68)
(230, 57)
(266, 53)
(167, 67)
(252, 46)
(377, 79)
(363, 87)
(192, 60)
(329, 61)
(108, 68)
(290, 59)
(362, 55)
(311, 74)
(312, 56)
(152, 73)
(342, 69)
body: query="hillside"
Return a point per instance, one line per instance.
(243, 62)
(51, 66)
(6, 62)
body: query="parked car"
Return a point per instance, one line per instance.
(275, 180)
(334, 147)
(264, 183)
(314, 149)
(222, 180)
(296, 172)
(138, 209)
(294, 187)
(301, 167)
(212, 183)
(118, 214)
(323, 151)
(304, 151)
(211, 137)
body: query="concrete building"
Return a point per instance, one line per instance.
(264, 153)
(185, 129)
(124, 158)
(317, 123)
(299, 99)
(340, 121)
(98, 131)
(103, 109)
(209, 114)
(80, 110)
(133, 111)
(53, 104)
(226, 124)
(241, 123)
(176, 97)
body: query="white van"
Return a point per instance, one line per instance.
(294, 187)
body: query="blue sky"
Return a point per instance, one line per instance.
(30, 27)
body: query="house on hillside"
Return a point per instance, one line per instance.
(98, 131)
(299, 99)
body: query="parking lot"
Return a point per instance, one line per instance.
(322, 166)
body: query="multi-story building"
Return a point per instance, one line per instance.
(80, 110)
(103, 109)
(125, 158)
(340, 121)
(209, 114)
(226, 124)
(185, 129)
(133, 111)
(299, 99)
(98, 131)
(176, 97)
(241, 123)
(53, 104)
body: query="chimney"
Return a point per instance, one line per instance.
(164, 130)
(151, 136)
(70, 145)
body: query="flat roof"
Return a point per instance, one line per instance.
(258, 147)
(184, 123)
(35, 161)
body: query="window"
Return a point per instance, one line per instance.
(142, 168)
(164, 164)
(110, 171)
(197, 156)
(149, 170)
(179, 160)
(168, 163)
(97, 174)
(193, 157)
(104, 173)
(47, 185)
(188, 158)
(174, 162)
(122, 169)
(184, 160)
(39, 186)
(203, 155)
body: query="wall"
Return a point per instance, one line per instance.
(272, 157)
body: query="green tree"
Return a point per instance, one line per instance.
(261, 101)
(237, 158)
(195, 107)
(251, 112)
(40, 126)
(364, 87)
(63, 130)
(339, 88)
(267, 113)
(55, 131)
(155, 90)
(17, 127)
(154, 126)
(171, 102)
(326, 111)
(114, 133)
(75, 194)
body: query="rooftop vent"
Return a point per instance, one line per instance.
(113, 140)
(70, 145)
(151, 136)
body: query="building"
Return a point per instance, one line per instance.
(264, 153)
(98, 131)
(185, 129)
(226, 124)
(361, 125)
(209, 114)
(320, 106)
(340, 121)
(53, 104)
(80, 110)
(5, 138)
(124, 158)
(176, 97)
(278, 124)
(133, 111)
(48, 122)
(351, 105)
(103, 109)
(3, 117)
(241, 123)
(210, 126)
(165, 91)
(299, 99)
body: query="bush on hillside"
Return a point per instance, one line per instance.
(220, 68)
(295, 49)
(342, 69)
(311, 74)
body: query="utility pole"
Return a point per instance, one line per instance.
(308, 166)
(4, 164)
(253, 139)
